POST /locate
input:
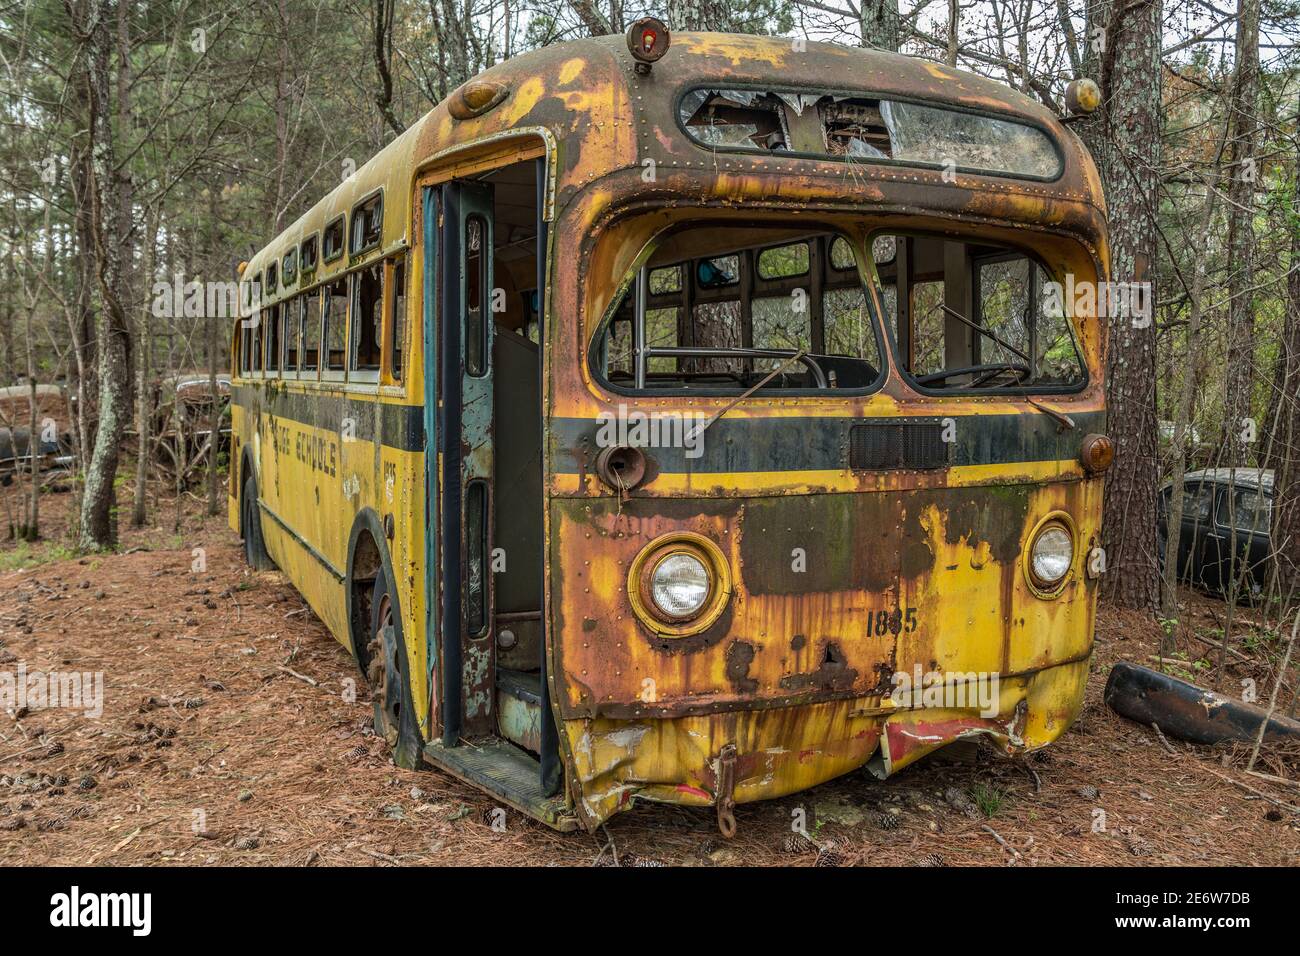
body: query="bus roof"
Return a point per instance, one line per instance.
(586, 97)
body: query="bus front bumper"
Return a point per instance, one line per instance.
(780, 751)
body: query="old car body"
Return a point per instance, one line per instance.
(1226, 511)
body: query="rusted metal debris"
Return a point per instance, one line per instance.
(1189, 712)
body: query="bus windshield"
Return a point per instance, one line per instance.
(974, 315)
(724, 308)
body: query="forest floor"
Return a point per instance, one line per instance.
(226, 738)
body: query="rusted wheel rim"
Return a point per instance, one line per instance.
(384, 673)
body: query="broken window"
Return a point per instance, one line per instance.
(975, 315)
(742, 119)
(726, 307)
(855, 127)
(367, 317)
(936, 136)
(334, 240)
(336, 328)
(311, 320)
(367, 224)
(308, 257)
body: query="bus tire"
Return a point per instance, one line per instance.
(255, 553)
(388, 674)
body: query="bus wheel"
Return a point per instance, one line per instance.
(255, 553)
(388, 675)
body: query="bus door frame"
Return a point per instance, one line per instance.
(442, 232)
(464, 449)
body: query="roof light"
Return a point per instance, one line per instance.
(1082, 96)
(647, 41)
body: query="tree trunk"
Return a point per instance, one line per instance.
(382, 14)
(879, 22)
(1239, 431)
(1286, 482)
(1128, 150)
(143, 406)
(954, 25)
(1184, 410)
(700, 15)
(98, 525)
(215, 361)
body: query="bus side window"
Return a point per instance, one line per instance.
(396, 328)
(291, 320)
(258, 321)
(311, 319)
(272, 318)
(367, 313)
(336, 329)
(476, 294)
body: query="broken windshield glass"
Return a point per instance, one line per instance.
(864, 128)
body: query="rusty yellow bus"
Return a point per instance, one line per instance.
(691, 422)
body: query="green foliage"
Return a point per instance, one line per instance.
(989, 799)
(25, 556)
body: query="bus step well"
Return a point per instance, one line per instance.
(507, 773)
(519, 708)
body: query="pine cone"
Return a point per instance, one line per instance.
(960, 800)
(887, 821)
(930, 859)
(798, 843)
(1139, 847)
(828, 857)
(1088, 792)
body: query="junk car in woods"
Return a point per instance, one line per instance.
(643, 416)
(54, 444)
(183, 412)
(1227, 526)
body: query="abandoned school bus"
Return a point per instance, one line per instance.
(691, 422)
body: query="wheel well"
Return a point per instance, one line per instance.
(245, 469)
(364, 568)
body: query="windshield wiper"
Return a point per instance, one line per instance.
(796, 357)
(979, 328)
(1062, 420)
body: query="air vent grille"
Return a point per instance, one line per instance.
(912, 446)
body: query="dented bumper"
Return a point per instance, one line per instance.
(784, 750)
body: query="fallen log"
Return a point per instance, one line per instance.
(1189, 712)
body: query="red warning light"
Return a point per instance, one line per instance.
(647, 40)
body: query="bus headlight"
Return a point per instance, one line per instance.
(679, 585)
(1051, 555)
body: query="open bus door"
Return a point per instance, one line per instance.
(460, 294)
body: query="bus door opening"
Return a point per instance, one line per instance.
(492, 248)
